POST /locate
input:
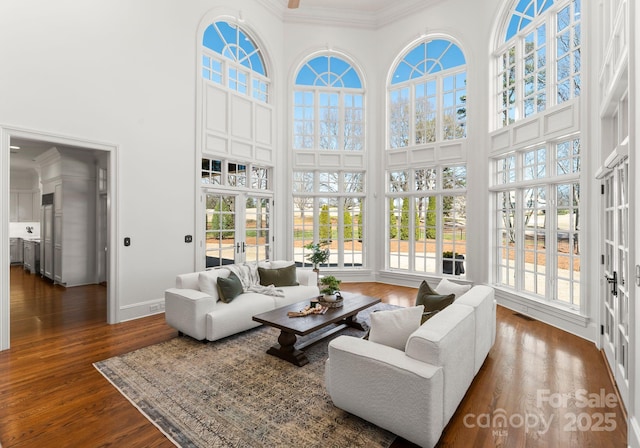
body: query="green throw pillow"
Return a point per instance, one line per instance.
(229, 288)
(432, 301)
(278, 277)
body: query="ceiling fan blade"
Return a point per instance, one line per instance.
(294, 4)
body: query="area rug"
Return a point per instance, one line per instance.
(231, 393)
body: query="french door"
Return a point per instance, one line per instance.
(616, 271)
(237, 228)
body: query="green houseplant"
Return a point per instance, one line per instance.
(319, 254)
(329, 287)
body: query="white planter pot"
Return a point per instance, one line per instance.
(329, 297)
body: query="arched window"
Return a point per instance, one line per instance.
(428, 94)
(328, 106)
(234, 143)
(539, 63)
(426, 198)
(231, 58)
(328, 124)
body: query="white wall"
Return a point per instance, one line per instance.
(121, 72)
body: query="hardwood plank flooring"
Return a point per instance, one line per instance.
(52, 396)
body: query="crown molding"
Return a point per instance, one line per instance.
(346, 17)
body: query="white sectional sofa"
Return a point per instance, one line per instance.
(415, 392)
(194, 307)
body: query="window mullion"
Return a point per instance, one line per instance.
(552, 66)
(341, 120)
(552, 244)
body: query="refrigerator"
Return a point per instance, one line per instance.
(47, 236)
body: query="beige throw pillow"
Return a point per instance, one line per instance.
(393, 327)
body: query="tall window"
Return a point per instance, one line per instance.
(236, 191)
(427, 95)
(329, 203)
(232, 59)
(537, 198)
(426, 202)
(539, 64)
(427, 219)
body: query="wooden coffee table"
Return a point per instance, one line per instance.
(291, 327)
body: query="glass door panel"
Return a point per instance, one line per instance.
(616, 292)
(257, 229)
(220, 230)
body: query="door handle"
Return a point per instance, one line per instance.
(613, 281)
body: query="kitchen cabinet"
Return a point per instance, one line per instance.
(68, 225)
(32, 256)
(16, 250)
(24, 206)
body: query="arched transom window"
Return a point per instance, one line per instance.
(231, 58)
(539, 64)
(428, 94)
(328, 106)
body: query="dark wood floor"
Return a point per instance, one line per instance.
(52, 396)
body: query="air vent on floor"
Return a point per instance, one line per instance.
(522, 316)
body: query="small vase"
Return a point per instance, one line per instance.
(329, 297)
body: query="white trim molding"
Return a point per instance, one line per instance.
(6, 133)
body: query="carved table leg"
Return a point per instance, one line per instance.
(286, 350)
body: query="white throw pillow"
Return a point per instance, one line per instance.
(208, 281)
(446, 287)
(393, 327)
(277, 264)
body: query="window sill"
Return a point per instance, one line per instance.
(549, 312)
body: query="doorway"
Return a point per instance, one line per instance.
(105, 201)
(237, 228)
(616, 338)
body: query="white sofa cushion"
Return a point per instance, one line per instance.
(276, 264)
(393, 327)
(230, 318)
(446, 287)
(208, 281)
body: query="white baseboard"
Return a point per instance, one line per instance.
(143, 309)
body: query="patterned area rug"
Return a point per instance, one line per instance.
(231, 393)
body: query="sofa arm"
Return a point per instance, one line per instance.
(186, 310)
(307, 277)
(384, 386)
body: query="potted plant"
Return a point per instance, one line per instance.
(319, 254)
(330, 286)
(448, 266)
